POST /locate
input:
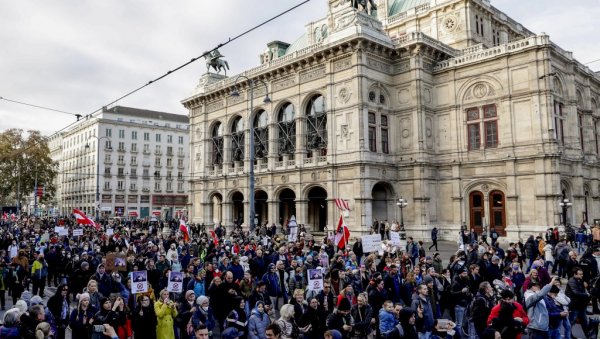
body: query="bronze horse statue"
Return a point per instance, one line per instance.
(214, 60)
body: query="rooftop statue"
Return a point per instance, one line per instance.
(367, 8)
(214, 59)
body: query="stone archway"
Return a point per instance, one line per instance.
(287, 205)
(237, 202)
(260, 207)
(382, 197)
(317, 208)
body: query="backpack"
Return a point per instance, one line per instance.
(42, 272)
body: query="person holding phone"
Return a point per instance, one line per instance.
(166, 311)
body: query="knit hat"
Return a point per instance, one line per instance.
(26, 297)
(427, 279)
(188, 293)
(21, 305)
(201, 299)
(81, 297)
(36, 300)
(344, 305)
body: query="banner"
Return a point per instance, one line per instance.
(395, 238)
(315, 279)
(61, 231)
(139, 282)
(175, 283)
(371, 243)
(78, 232)
(110, 231)
(116, 262)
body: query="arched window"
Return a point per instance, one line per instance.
(287, 129)
(217, 144)
(261, 135)
(237, 140)
(316, 126)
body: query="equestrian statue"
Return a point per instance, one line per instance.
(213, 59)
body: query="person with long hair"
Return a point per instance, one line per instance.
(144, 319)
(166, 311)
(58, 304)
(42, 331)
(258, 322)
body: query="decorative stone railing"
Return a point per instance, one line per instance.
(409, 13)
(414, 37)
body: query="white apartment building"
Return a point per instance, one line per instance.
(125, 162)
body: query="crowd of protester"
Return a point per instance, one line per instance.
(255, 286)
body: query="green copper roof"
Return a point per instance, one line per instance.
(399, 6)
(298, 44)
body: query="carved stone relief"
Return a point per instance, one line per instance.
(313, 74)
(284, 83)
(342, 64)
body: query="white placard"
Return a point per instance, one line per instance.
(78, 232)
(315, 279)
(371, 243)
(395, 238)
(110, 231)
(175, 282)
(139, 282)
(58, 229)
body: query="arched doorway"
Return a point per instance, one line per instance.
(216, 209)
(498, 212)
(476, 211)
(260, 206)
(287, 205)
(382, 197)
(317, 208)
(237, 200)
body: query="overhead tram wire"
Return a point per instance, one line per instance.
(78, 116)
(230, 40)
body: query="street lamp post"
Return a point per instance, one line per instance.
(87, 145)
(402, 203)
(266, 100)
(565, 204)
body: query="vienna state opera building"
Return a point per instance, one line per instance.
(451, 105)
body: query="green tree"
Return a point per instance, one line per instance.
(23, 157)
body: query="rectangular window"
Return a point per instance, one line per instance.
(169, 150)
(108, 145)
(133, 186)
(180, 163)
(489, 111)
(180, 151)
(157, 150)
(120, 185)
(121, 134)
(133, 172)
(179, 175)
(169, 139)
(133, 135)
(372, 139)
(472, 114)
(474, 136)
(581, 134)
(157, 137)
(133, 147)
(121, 146)
(157, 186)
(107, 185)
(169, 162)
(559, 123)
(120, 171)
(108, 132)
(491, 134)
(180, 187)
(384, 141)
(157, 161)
(181, 140)
(133, 160)
(169, 186)
(146, 136)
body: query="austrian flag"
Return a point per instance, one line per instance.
(342, 204)
(342, 234)
(184, 229)
(83, 219)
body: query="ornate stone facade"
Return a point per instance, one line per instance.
(451, 105)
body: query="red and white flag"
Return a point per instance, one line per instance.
(214, 237)
(183, 227)
(342, 204)
(342, 234)
(5, 216)
(83, 219)
(13, 217)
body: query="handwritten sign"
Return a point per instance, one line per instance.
(371, 243)
(78, 232)
(395, 238)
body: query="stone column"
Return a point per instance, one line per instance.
(273, 211)
(300, 140)
(302, 212)
(226, 212)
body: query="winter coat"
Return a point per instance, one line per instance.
(428, 319)
(315, 319)
(205, 317)
(257, 324)
(336, 321)
(362, 319)
(80, 329)
(387, 322)
(576, 291)
(548, 256)
(165, 315)
(144, 326)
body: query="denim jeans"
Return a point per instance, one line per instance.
(554, 333)
(581, 314)
(566, 324)
(459, 313)
(425, 335)
(472, 332)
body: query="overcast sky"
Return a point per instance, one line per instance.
(77, 56)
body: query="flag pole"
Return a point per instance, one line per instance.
(344, 233)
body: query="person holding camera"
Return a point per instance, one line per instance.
(166, 311)
(109, 313)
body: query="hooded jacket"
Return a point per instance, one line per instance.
(258, 322)
(427, 321)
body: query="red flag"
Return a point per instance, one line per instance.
(214, 236)
(83, 219)
(342, 234)
(184, 229)
(13, 217)
(342, 204)
(5, 216)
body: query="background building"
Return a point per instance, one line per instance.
(143, 164)
(450, 104)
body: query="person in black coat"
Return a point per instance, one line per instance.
(357, 248)
(58, 304)
(143, 319)
(362, 313)
(313, 316)
(185, 309)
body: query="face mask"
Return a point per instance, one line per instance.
(85, 248)
(205, 308)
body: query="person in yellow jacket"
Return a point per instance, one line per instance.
(166, 311)
(39, 272)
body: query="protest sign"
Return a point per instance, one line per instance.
(175, 283)
(116, 261)
(139, 282)
(110, 231)
(371, 243)
(395, 238)
(315, 279)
